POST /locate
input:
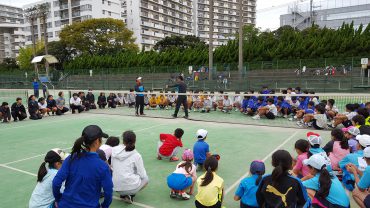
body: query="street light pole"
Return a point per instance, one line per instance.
(210, 49)
(240, 37)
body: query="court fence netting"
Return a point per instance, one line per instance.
(234, 116)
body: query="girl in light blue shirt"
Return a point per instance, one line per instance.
(42, 195)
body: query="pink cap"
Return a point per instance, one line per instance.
(187, 155)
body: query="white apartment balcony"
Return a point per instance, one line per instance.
(159, 35)
(148, 24)
(146, 41)
(150, 33)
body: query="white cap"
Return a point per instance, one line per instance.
(63, 155)
(139, 78)
(314, 138)
(316, 161)
(201, 134)
(364, 140)
(367, 152)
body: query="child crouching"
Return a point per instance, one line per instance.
(183, 178)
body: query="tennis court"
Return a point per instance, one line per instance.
(25, 143)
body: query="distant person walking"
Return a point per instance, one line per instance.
(36, 86)
(139, 101)
(182, 99)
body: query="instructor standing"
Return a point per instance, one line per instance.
(139, 88)
(181, 99)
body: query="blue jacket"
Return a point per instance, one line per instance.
(35, 85)
(139, 88)
(84, 178)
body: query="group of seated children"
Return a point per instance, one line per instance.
(318, 177)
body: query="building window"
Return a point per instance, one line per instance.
(109, 13)
(109, 3)
(102, 1)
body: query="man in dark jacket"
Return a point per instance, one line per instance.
(18, 110)
(5, 112)
(181, 99)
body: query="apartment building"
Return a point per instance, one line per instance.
(11, 31)
(152, 20)
(226, 18)
(64, 12)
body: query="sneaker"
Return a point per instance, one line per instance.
(127, 199)
(236, 110)
(186, 117)
(290, 119)
(174, 116)
(173, 194)
(285, 116)
(174, 159)
(184, 196)
(159, 157)
(256, 117)
(299, 123)
(309, 124)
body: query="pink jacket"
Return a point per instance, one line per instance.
(337, 155)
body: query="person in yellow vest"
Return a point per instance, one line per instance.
(153, 101)
(162, 101)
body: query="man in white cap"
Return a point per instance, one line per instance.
(139, 88)
(362, 179)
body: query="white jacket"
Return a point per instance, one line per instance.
(128, 169)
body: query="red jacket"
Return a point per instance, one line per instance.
(170, 142)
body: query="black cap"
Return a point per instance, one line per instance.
(93, 132)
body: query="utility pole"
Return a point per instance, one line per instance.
(241, 37)
(311, 12)
(210, 49)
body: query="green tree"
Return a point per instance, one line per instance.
(26, 55)
(98, 37)
(179, 42)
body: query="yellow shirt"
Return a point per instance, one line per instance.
(152, 101)
(367, 121)
(212, 193)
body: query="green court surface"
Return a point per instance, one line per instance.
(25, 143)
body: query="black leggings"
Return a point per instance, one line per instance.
(139, 103)
(181, 100)
(18, 115)
(199, 205)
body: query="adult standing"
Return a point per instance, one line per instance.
(181, 99)
(139, 88)
(84, 174)
(36, 86)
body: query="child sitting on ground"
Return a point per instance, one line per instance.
(5, 112)
(18, 110)
(111, 142)
(350, 133)
(359, 122)
(309, 109)
(162, 101)
(345, 118)
(42, 195)
(248, 187)
(283, 107)
(153, 101)
(337, 148)
(183, 178)
(43, 106)
(315, 141)
(131, 99)
(201, 148)
(319, 119)
(102, 100)
(227, 104)
(270, 110)
(331, 109)
(169, 145)
(301, 147)
(210, 186)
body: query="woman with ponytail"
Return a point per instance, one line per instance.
(129, 174)
(183, 177)
(280, 189)
(84, 174)
(246, 192)
(210, 186)
(324, 189)
(42, 195)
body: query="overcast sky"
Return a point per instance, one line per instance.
(267, 18)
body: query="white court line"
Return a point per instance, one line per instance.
(37, 123)
(28, 158)
(264, 159)
(134, 203)
(18, 170)
(32, 174)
